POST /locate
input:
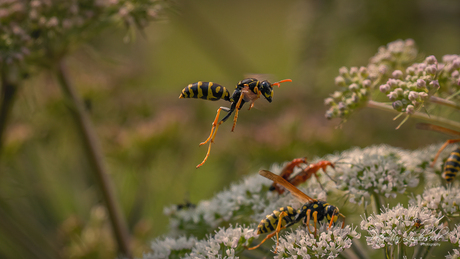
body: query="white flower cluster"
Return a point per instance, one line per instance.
(455, 255)
(440, 199)
(248, 199)
(167, 247)
(32, 27)
(412, 226)
(376, 169)
(399, 52)
(330, 243)
(226, 243)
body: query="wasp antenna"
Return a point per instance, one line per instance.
(282, 81)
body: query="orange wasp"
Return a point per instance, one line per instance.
(304, 175)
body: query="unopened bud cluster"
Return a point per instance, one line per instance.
(355, 89)
(410, 89)
(356, 84)
(36, 27)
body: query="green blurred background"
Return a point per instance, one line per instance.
(150, 137)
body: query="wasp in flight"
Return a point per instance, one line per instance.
(288, 216)
(452, 164)
(247, 90)
(303, 175)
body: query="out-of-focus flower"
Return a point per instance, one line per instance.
(410, 226)
(378, 169)
(299, 243)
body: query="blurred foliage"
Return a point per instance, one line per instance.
(150, 137)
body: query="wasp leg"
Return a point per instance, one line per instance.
(307, 221)
(277, 230)
(343, 222)
(238, 105)
(256, 90)
(315, 219)
(212, 136)
(450, 141)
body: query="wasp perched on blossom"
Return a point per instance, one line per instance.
(452, 164)
(288, 216)
(247, 90)
(302, 176)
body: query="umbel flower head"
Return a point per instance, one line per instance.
(357, 84)
(299, 243)
(441, 199)
(225, 243)
(171, 247)
(40, 29)
(411, 226)
(374, 170)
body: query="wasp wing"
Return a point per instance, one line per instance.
(281, 181)
(427, 126)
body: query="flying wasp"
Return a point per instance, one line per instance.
(303, 175)
(288, 216)
(452, 164)
(247, 90)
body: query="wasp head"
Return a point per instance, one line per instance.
(267, 90)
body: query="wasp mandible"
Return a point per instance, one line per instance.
(247, 90)
(288, 216)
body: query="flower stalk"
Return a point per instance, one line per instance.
(430, 118)
(7, 97)
(95, 158)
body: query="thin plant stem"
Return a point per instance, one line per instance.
(7, 97)
(418, 115)
(95, 157)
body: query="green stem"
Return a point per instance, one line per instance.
(7, 97)
(430, 118)
(95, 158)
(377, 202)
(402, 250)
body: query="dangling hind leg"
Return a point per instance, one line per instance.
(450, 141)
(238, 105)
(212, 135)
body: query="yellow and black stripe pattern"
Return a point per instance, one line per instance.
(206, 90)
(271, 221)
(452, 166)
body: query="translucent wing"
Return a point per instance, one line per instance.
(281, 181)
(427, 126)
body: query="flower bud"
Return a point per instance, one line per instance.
(421, 83)
(367, 83)
(343, 71)
(363, 72)
(410, 109)
(434, 84)
(431, 60)
(337, 95)
(431, 69)
(413, 95)
(397, 106)
(384, 88)
(329, 101)
(353, 71)
(353, 87)
(339, 81)
(397, 74)
(392, 96)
